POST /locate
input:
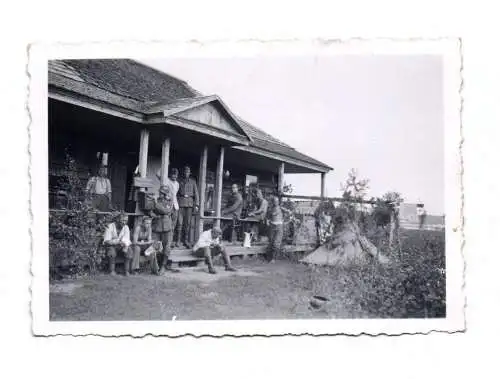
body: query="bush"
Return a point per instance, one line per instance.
(75, 241)
(412, 285)
(75, 232)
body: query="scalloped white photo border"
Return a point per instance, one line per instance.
(449, 49)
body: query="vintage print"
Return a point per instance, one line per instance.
(188, 190)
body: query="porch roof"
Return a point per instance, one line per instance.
(132, 90)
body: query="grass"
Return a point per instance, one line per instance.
(411, 286)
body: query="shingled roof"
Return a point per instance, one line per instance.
(138, 87)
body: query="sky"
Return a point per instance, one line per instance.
(379, 114)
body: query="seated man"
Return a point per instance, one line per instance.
(117, 238)
(209, 245)
(141, 240)
(234, 206)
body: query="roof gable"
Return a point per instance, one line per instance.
(210, 115)
(206, 110)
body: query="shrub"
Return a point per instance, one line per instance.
(75, 232)
(412, 285)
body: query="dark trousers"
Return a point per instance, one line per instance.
(100, 202)
(421, 221)
(184, 224)
(275, 240)
(166, 241)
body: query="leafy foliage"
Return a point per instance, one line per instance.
(75, 232)
(412, 285)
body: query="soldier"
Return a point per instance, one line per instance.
(162, 224)
(188, 200)
(275, 219)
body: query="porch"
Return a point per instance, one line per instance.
(136, 153)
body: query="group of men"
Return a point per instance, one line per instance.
(171, 216)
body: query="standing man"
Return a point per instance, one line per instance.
(174, 189)
(261, 211)
(117, 239)
(188, 200)
(275, 217)
(98, 190)
(209, 245)
(162, 224)
(421, 214)
(233, 208)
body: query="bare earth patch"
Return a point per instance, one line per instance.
(257, 291)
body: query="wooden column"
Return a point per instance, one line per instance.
(143, 153)
(165, 160)
(218, 186)
(202, 179)
(323, 184)
(281, 177)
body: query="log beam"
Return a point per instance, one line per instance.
(218, 186)
(203, 185)
(143, 153)
(281, 177)
(165, 160)
(323, 184)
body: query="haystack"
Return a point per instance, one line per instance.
(346, 246)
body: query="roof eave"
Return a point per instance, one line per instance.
(286, 159)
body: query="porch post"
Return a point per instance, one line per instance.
(203, 184)
(143, 153)
(165, 160)
(143, 163)
(281, 177)
(323, 184)
(218, 186)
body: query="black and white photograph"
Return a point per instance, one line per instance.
(310, 185)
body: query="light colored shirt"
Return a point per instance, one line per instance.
(420, 211)
(142, 234)
(99, 185)
(174, 188)
(206, 240)
(262, 210)
(111, 234)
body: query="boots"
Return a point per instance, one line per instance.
(227, 263)
(163, 265)
(127, 266)
(112, 266)
(178, 241)
(210, 265)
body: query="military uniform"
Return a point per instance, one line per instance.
(162, 225)
(188, 198)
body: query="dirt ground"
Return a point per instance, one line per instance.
(257, 291)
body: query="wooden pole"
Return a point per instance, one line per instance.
(281, 177)
(143, 153)
(218, 186)
(203, 184)
(323, 184)
(165, 160)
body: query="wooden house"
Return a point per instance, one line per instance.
(131, 116)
